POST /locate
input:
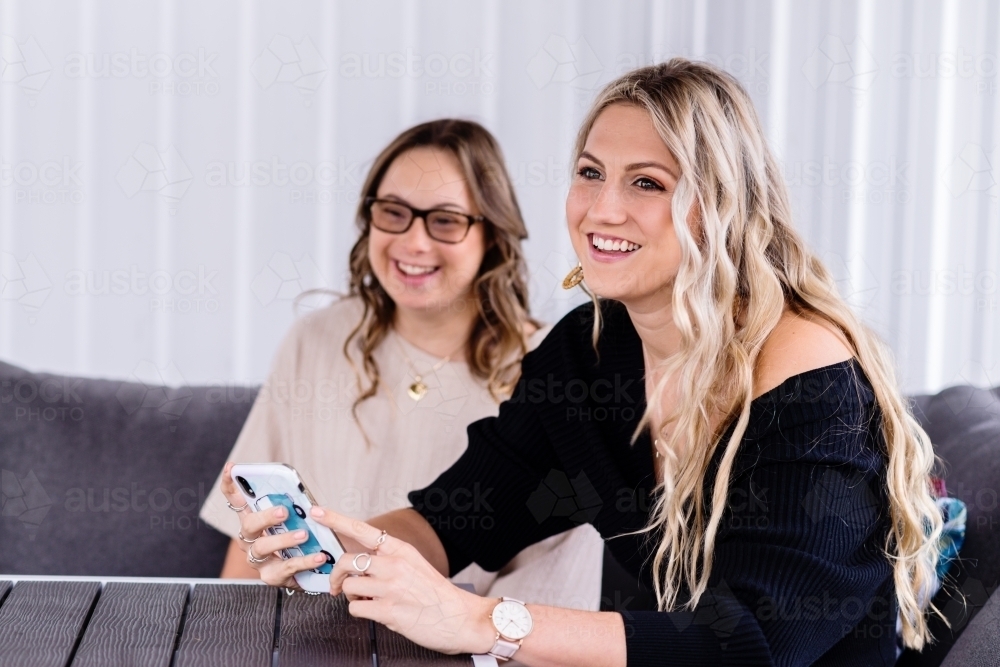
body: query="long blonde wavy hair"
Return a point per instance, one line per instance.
(497, 341)
(737, 273)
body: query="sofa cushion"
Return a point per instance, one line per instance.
(963, 422)
(106, 478)
(979, 645)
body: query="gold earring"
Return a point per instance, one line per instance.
(573, 278)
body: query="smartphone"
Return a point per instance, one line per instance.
(267, 485)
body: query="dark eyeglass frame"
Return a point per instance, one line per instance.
(422, 214)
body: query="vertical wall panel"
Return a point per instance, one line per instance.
(173, 173)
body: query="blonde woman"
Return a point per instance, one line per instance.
(370, 397)
(771, 485)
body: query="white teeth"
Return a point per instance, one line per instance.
(609, 245)
(414, 270)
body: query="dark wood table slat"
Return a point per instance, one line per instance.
(134, 624)
(41, 620)
(318, 630)
(395, 650)
(228, 626)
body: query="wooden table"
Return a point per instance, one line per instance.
(110, 621)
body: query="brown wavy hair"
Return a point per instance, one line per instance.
(497, 342)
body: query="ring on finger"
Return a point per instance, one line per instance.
(380, 541)
(237, 509)
(240, 535)
(367, 563)
(253, 560)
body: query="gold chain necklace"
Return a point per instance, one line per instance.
(418, 389)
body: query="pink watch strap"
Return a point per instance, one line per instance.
(503, 649)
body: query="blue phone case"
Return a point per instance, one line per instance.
(296, 521)
(273, 484)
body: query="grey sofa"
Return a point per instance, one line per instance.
(106, 478)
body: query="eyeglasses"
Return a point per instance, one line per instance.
(442, 225)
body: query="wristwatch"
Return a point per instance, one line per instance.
(512, 621)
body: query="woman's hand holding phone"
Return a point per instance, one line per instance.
(399, 588)
(275, 570)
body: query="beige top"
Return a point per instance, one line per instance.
(302, 416)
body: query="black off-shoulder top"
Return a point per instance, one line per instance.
(799, 574)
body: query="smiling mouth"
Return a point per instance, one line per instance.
(612, 244)
(414, 269)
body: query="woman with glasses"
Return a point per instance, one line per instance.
(370, 397)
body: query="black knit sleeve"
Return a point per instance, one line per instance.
(799, 577)
(481, 507)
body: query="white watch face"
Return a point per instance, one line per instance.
(511, 619)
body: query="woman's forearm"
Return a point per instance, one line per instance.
(561, 637)
(410, 526)
(459, 621)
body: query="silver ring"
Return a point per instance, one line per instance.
(380, 541)
(254, 560)
(367, 564)
(240, 535)
(237, 509)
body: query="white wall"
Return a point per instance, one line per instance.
(885, 115)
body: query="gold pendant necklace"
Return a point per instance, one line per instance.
(418, 388)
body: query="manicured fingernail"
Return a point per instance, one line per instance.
(300, 534)
(316, 511)
(280, 512)
(319, 558)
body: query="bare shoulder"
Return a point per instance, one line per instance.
(799, 343)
